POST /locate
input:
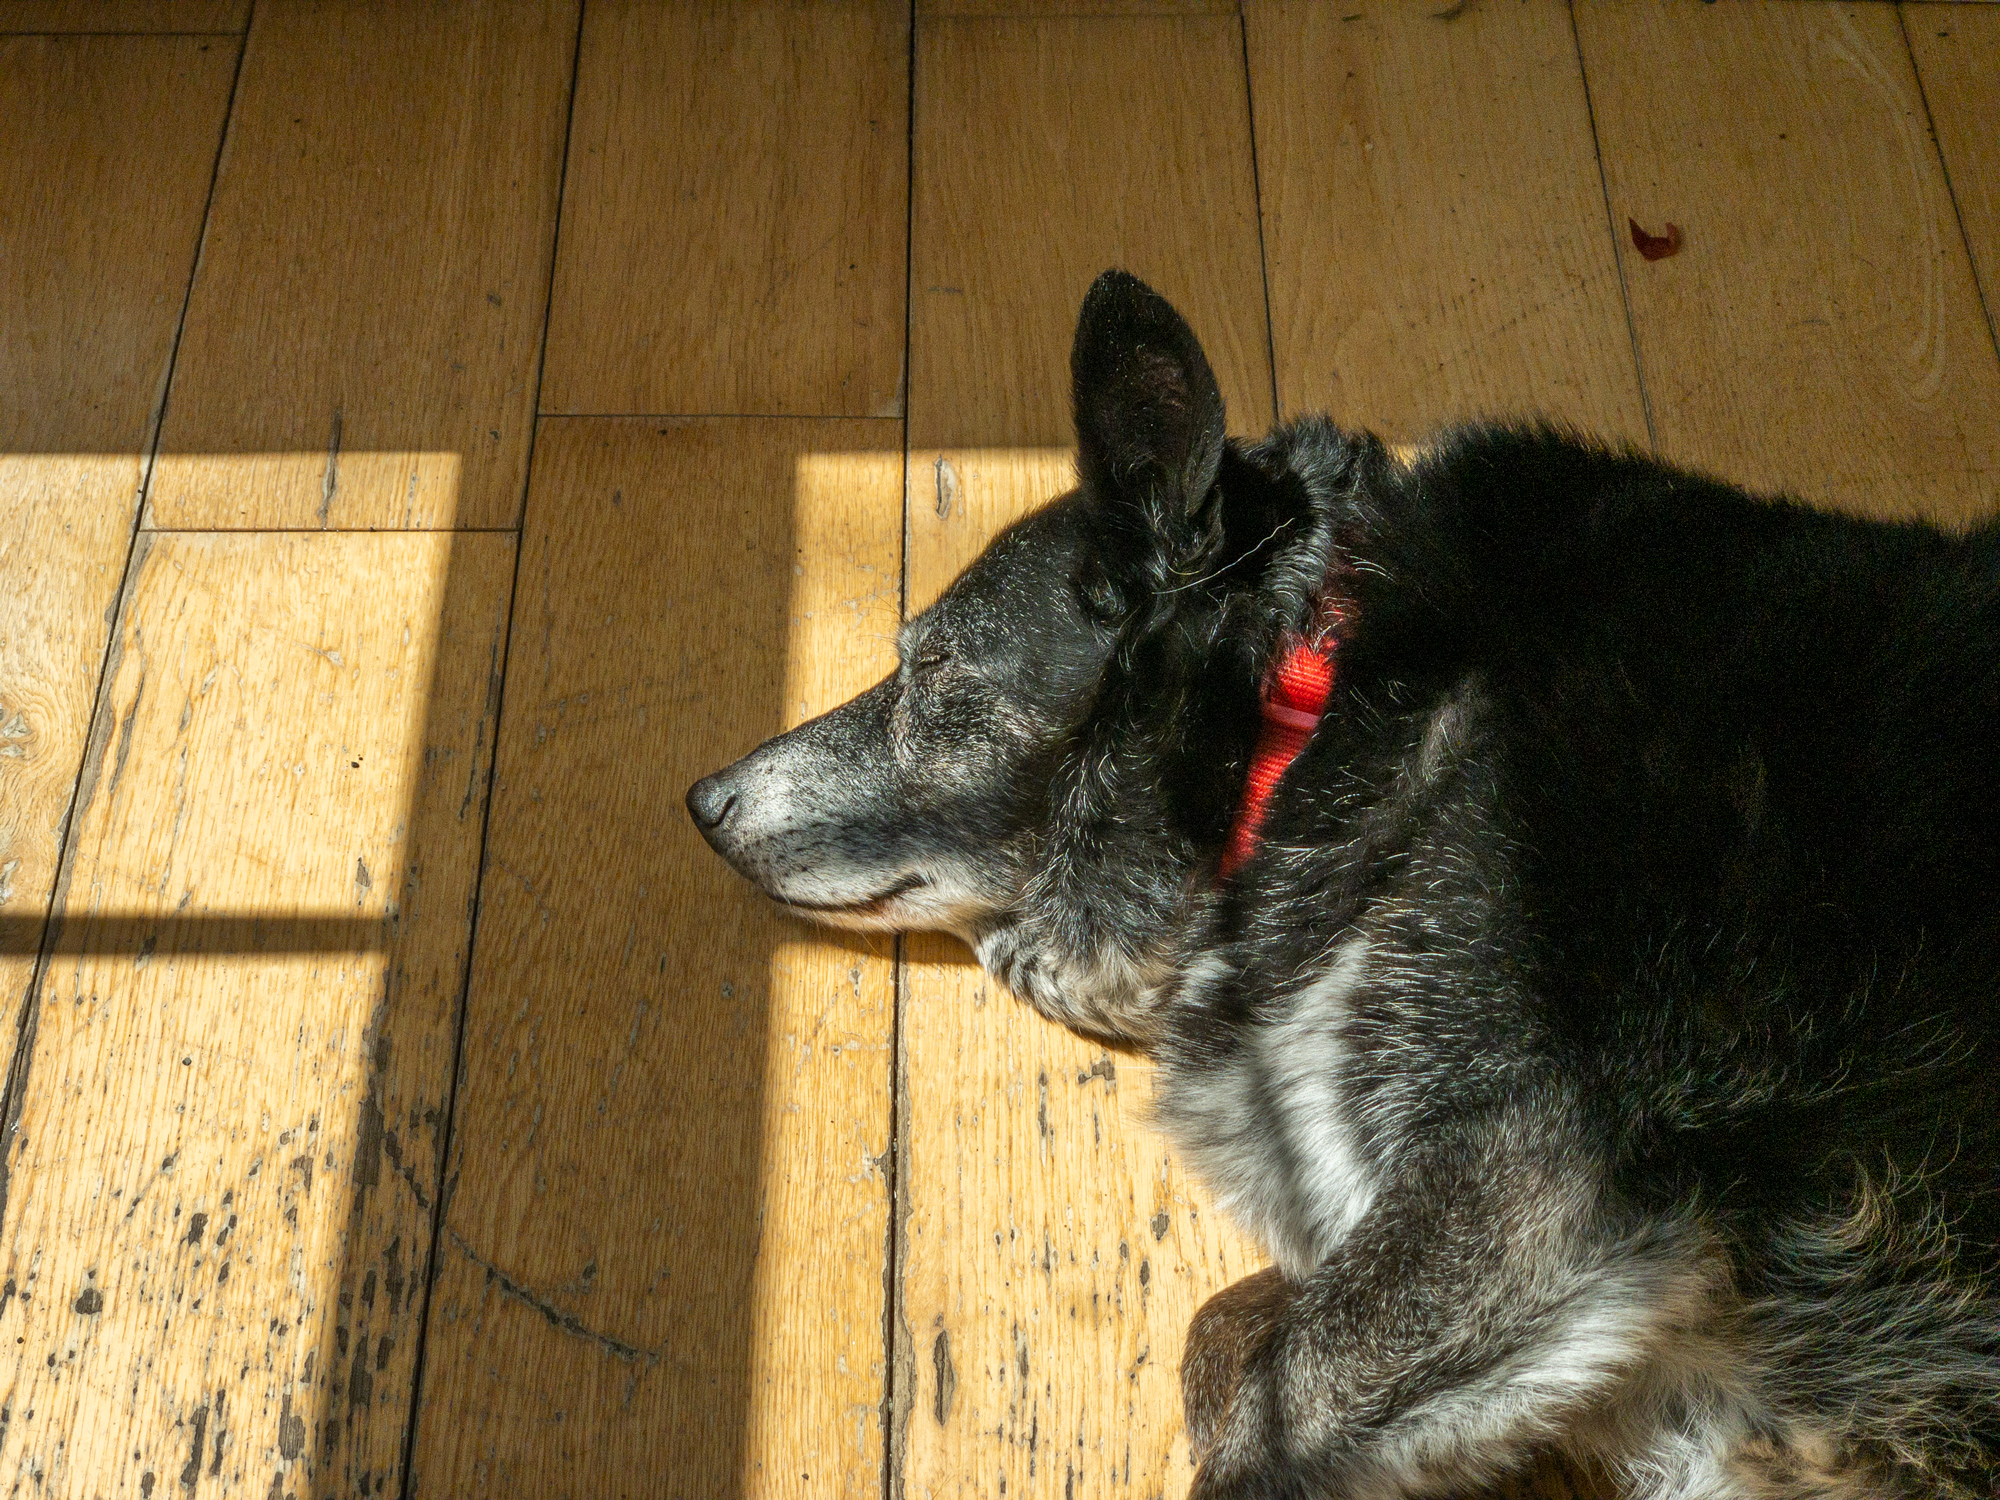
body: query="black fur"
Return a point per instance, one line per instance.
(1601, 1035)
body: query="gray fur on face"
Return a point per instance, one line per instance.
(927, 802)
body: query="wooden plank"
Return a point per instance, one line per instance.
(1434, 220)
(1014, 219)
(1819, 331)
(1052, 1254)
(361, 348)
(219, 1196)
(1957, 52)
(734, 218)
(123, 15)
(666, 1251)
(100, 217)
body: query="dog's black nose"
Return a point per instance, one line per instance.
(711, 800)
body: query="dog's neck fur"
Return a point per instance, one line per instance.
(1106, 921)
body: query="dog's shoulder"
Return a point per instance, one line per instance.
(1655, 800)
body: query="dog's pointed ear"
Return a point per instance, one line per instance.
(1148, 411)
(1149, 423)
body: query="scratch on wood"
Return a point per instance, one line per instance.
(392, 1275)
(1103, 1068)
(291, 1432)
(360, 1383)
(947, 487)
(215, 1465)
(166, 1167)
(330, 481)
(490, 716)
(556, 1317)
(125, 733)
(947, 1375)
(100, 729)
(191, 1473)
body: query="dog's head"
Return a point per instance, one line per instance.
(1050, 768)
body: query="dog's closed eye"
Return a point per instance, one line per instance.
(929, 659)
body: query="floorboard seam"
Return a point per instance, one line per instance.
(1257, 197)
(1950, 188)
(447, 1180)
(895, 1396)
(1611, 227)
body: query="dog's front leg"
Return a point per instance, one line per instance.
(1231, 1325)
(1467, 1322)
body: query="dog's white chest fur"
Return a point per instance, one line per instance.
(1271, 1128)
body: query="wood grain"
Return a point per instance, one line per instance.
(1434, 220)
(735, 213)
(1957, 52)
(99, 223)
(1052, 1256)
(219, 1194)
(123, 15)
(1820, 330)
(1045, 152)
(362, 345)
(666, 1252)
(1077, 7)
(1051, 1253)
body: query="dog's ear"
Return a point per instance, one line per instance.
(1149, 428)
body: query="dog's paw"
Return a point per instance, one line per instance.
(1229, 1327)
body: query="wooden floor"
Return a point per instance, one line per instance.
(431, 435)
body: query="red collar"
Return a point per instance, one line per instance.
(1297, 686)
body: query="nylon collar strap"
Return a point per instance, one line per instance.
(1297, 687)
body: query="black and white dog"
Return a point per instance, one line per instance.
(1602, 1031)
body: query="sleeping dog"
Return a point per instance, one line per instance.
(1562, 893)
